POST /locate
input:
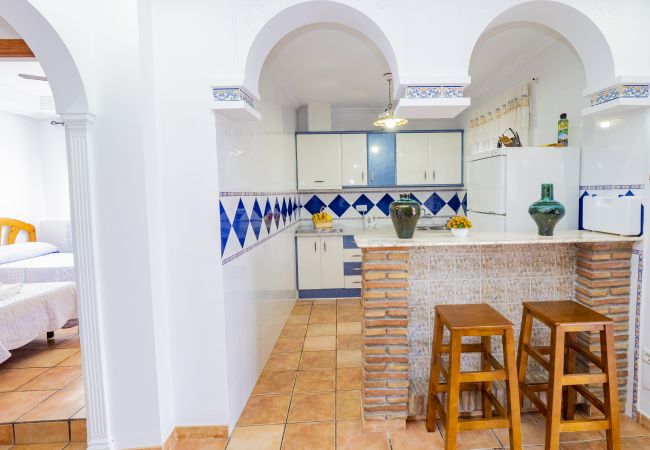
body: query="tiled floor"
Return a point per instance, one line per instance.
(42, 394)
(309, 397)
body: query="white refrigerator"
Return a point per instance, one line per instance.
(501, 185)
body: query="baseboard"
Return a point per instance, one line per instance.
(195, 432)
(643, 420)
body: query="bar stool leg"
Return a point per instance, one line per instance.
(512, 387)
(554, 406)
(610, 387)
(453, 390)
(486, 341)
(522, 354)
(570, 364)
(434, 378)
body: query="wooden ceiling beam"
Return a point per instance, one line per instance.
(15, 48)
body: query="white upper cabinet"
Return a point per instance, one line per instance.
(319, 161)
(412, 158)
(354, 162)
(446, 158)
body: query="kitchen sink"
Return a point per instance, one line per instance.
(431, 227)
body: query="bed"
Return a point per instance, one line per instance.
(31, 261)
(34, 309)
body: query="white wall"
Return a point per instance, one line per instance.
(33, 170)
(260, 285)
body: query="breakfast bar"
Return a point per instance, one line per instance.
(404, 279)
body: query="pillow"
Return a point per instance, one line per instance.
(25, 250)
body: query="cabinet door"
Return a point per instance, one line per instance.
(381, 159)
(413, 158)
(309, 265)
(446, 160)
(354, 159)
(319, 161)
(332, 262)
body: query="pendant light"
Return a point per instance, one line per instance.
(387, 119)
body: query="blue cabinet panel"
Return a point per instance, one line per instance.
(352, 268)
(381, 159)
(348, 241)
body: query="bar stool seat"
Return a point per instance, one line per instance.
(473, 320)
(566, 319)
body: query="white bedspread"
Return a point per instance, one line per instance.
(41, 269)
(38, 308)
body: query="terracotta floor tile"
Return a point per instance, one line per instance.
(264, 437)
(81, 414)
(348, 378)
(74, 360)
(201, 444)
(40, 446)
(80, 446)
(15, 404)
(531, 432)
(301, 309)
(348, 316)
(635, 443)
(325, 359)
(294, 331)
(588, 445)
(60, 405)
(77, 383)
(348, 358)
(298, 319)
(265, 410)
(42, 432)
(471, 440)
(348, 405)
(6, 434)
(283, 361)
(12, 379)
(322, 317)
(6, 447)
(350, 436)
(54, 378)
(319, 380)
(312, 407)
(312, 436)
(289, 344)
(321, 329)
(630, 428)
(275, 383)
(318, 343)
(416, 437)
(349, 342)
(47, 358)
(348, 328)
(73, 342)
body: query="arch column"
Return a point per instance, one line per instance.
(79, 151)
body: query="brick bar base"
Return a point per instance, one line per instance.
(385, 344)
(603, 284)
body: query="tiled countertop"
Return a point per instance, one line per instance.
(386, 237)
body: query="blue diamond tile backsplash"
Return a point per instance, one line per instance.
(244, 226)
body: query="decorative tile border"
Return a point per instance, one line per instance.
(420, 92)
(231, 95)
(620, 91)
(610, 187)
(248, 219)
(342, 204)
(637, 332)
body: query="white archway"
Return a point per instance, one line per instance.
(307, 13)
(72, 104)
(574, 25)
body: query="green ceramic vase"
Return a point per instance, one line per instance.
(405, 213)
(546, 212)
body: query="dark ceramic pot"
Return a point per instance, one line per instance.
(405, 213)
(546, 212)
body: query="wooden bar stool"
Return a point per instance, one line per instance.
(566, 319)
(473, 320)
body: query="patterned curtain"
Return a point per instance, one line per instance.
(490, 120)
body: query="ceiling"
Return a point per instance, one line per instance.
(9, 71)
(327, 63)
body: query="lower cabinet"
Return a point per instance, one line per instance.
(326, 269)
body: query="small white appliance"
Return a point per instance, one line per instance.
(612, 214)
(502, 184)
